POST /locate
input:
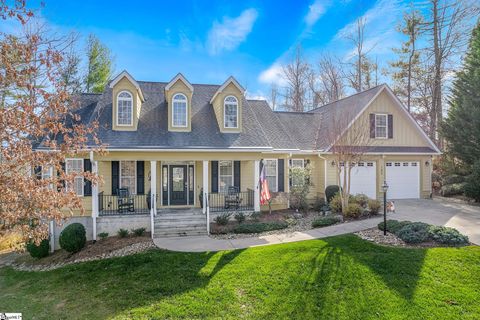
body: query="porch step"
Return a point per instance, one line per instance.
(181, 223)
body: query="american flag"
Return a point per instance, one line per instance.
(265, 192)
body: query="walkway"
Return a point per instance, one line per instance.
(464, 217)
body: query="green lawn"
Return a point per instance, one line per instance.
(336, 278)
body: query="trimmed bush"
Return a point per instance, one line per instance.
(103, 235)
(39, 251)
(260, 227)
(73, 237)
(472, 186)
(336, 203)
(374, 206)
(415, 232)
(139, 232)
(325, 221)
(393, 226)
(319, 204)
(240, 217)
(122, 233)
(447, 235)
(452, 179)
(222, 220)
(453, 189)
(353, 210)
(331, 191)
(361, 200)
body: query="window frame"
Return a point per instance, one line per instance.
(131, 108)
(225, 112)
(134, 175)
(276, 174)
(67, 171)
(292, 166)
(385, 126)
(220, 175)
(173, 110)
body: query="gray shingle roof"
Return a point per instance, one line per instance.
(262, 127)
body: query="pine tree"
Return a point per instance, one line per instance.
(461, 128)
(99, 65)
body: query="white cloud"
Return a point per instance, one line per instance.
(228, 34)
(272, 75)
(315, 11)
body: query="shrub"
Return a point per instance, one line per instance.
(353, 210)
(222, 219)
(472, 186)
(319, 205)
(240, 217)
(453, 189)
(73, 237)
(255, 216)
(331, 191)
(447, 235)
(361, 199)
(415, 232)
(393, 226)
(258, 227)
(139, 232)
(122, 233)
(374, 206)
(452, 179)
(324, 221)
(39, 251)
(103, 235)
(336, 203)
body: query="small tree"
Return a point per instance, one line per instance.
(300, 178)
(99, 65)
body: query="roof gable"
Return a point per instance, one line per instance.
(178, 77)
(232, 80)
(125, 74)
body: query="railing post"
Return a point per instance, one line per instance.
(207, 205)
(153, 192)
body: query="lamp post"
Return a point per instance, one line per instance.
(385, 189)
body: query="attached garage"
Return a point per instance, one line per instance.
(403, 179)
(363, 179)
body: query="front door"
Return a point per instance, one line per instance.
(178, 185)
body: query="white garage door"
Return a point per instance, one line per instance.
(403, 179)
(363, 179)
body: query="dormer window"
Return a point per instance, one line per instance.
(230, 112)
(179, 103)
(124, 109)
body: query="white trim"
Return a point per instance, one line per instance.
(83, 179)
(230, 79)
(127, 75)
(386, 125)
(276, 172)
(131, 107)
(233, 173)
(224, 112)
(50, 172)
(186, 110)
(179, 76)
(205, 184)
(120, 174)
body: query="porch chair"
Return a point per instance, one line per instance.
(232, 198)
(125, 201)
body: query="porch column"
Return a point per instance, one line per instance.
(256, 181)
(205, 185)
(153, 193)
(94, 200)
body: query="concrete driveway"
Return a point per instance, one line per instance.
(464, 217)
(461, 216)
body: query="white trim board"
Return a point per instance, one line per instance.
(180, 77)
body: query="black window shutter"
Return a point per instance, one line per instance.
(306, 163)
(236, 174)
(87, 186)
(140, 177)
(115, 177)
(62, 165)
(214, 176)
(281, 175)
(390, 126)
(372, 125)
(37, 171)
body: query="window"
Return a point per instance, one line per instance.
(72, 166)
(296, 163)
(271, 174)
(179, 103)
(47, 173)
(231, 112)
(128, 176)
(225, 175)
(124, 109)
(381, 126)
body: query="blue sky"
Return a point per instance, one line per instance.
(209, 41)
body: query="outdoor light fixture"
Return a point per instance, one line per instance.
(333, 163)
(427, 163)
(384, 189)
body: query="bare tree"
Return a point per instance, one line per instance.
(327, 82)
(296, 75)
(273, 96)
(355, 76)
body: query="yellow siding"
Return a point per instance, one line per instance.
(179, 87)
(126, 85)
(230, 90)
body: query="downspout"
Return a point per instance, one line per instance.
(324, 175)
